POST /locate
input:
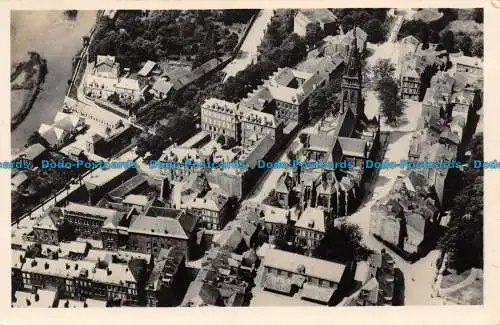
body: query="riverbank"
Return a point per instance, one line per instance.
(28, 75)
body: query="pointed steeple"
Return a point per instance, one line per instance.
(353, 67)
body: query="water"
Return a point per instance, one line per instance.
(57, 39)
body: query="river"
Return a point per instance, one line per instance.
(57, 39)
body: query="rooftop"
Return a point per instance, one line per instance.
(134, 199)
(157, 226)
(312, 219)
(309, 266)
(321, 15)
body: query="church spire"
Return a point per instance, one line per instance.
(353, 68)
(351, 81)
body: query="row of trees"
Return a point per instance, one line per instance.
(464, 238)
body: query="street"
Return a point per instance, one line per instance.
(250, 44)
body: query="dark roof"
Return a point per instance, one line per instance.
(33, 151)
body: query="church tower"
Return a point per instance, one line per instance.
(352, 98)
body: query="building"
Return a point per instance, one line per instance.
(47, 229)
(286, 94)
(69, 122)
(130, 89)
(472, 65)
(55, 137)
(147, 68)
(257, 125)
(166, 277)
(106, 67)
(34, 154)
(212, 209)
(161, 228)
(219, 117)
(410, 81)
(87, 220)
(161, 88)
(310, 228)
(325, 65)
(324, 17)
(17, 261)
(103, 280)
(282, 270)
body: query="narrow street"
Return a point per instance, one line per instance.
(250, 44)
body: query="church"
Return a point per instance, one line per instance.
(345, 134)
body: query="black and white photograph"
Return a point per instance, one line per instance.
(286, 157)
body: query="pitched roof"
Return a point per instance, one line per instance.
(157, 226)
(212, 200)
(129, 83)
(316, 293)
(19, 179)
(353, 147)
(228, 238)
(313, 267)
(162, 86)
(33, 151)
(146, 69)
(51, 220)
(321, 15)
(134, 199)
(105, 59)
(312, 219)
(470, 61)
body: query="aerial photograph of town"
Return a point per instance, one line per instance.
(246, 157)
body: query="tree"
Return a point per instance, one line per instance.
(35, 137)
(230, 42)
(342, 244)
(434, 37)
(294, 50)
(448, 41)
(347, 23)
(314, 34)
(221, 140)
(478, 15)
(303, 138)
(290, 155)
(383, 69)
(375, 31)
(464, 43)
(464, 238)
(477, 47)
(321, 101)
(391, 105)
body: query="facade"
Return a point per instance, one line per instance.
(410, 83)
(83, 279)
(88, 220)
(161, 228)
(283, 269)
(106, 67)
(310, 228)
(47, 229)
(212, 209)
(256, 125)
(326, 19)
(219, 117)
(472, 65)
(166, 276)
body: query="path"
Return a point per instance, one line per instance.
(250, 44)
